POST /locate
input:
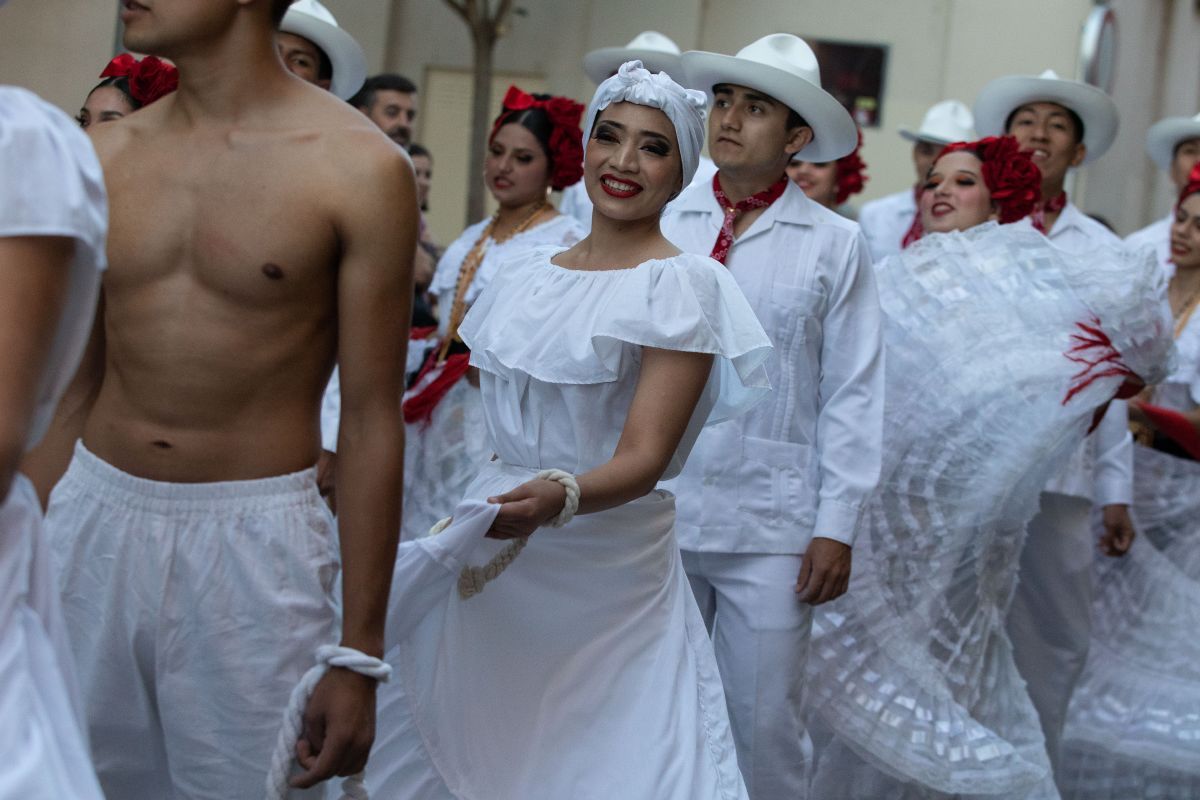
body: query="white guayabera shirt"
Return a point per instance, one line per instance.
(802, 462)
(1158, 236)
(1101, 469)
(885, 221)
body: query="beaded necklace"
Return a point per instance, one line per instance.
(470, 266)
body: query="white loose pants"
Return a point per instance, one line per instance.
(1049, 621)
(193, 610)
(761, 633)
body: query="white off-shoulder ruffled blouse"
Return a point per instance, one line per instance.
(559, 352)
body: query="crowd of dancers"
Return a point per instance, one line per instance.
(687, 486)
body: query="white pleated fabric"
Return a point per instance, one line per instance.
(912, 669)
(584, 671)
(1133, 727)
(50, 185)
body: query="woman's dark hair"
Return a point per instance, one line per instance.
(415, 149)
(120, 83)
(534, 120)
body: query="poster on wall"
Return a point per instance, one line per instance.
(853, 72)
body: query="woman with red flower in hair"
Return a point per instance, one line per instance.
(535, 147)
(831, 183)
(1002, 353)
(128, 84)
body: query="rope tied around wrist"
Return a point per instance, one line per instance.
(283, 755)
(472, 579)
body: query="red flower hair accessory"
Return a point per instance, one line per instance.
(565, 146)
(149, 79)
(1014, 181)
(851, 173)
(1192, 187)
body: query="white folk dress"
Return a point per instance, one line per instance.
(584, 671)
(1133, 728)
(50, 185)
(443, 454)
(988, 393)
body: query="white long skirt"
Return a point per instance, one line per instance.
(583, 671)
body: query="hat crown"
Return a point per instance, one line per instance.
(653, 41)
(785, 52)
(1049, 75)
(313, 9)
(948, 121)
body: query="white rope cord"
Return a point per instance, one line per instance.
(472, 579)
(282, 757)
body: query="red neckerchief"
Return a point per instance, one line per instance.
(916, 230)
(1051, 206)
(763, 199)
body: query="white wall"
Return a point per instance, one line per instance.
(937, 49)
(57, 48)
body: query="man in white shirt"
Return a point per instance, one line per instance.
(769, 503)
(886, 221)
(658, 53)
(1174, 145)
(1065, 124)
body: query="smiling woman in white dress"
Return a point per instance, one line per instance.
(533, 149)
(584, 670)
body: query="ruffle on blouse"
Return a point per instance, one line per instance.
(570, 326)
(50, 178)
(51, 185)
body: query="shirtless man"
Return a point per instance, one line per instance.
(198, 560)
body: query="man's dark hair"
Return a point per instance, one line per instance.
(278, 9)
(794, 120)
(415, 149)
(1076, 121)
(387, 82)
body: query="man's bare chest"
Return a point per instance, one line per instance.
(241, 227)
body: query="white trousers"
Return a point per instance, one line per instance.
(761, 633)
(193, 610)
(1049, 621)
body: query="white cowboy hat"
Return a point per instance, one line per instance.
(1003, 96)
(1166, 134)
(784, 67)
(944, 123)
(310, 19)
(656, 52)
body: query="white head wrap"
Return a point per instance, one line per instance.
(684, 107)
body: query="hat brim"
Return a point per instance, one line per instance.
(917, 136)
(601, 64)
(834, 131)
(345, 54)
(1165, 135)
(1003, 96)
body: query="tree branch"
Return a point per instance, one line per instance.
(461, 9)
